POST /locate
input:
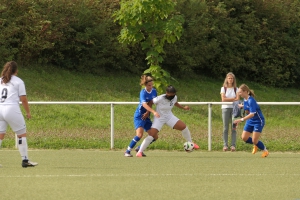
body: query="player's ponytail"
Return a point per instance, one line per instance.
(9, 69)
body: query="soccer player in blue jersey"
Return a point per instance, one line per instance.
(255, 121)
(141, 118)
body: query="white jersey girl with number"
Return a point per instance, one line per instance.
(164, 104)
(12, 91)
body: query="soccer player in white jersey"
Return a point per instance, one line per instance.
(12, 90)
(255, 121)
(164, 104)
(142, 113)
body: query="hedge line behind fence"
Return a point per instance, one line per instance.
(259, 40)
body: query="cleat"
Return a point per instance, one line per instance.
(139, 154)
(27, 163)
(255, 148)
(225, 148)
(196, 146)
(137, 150)
(265, 154)
(232, 148)
(127, 154)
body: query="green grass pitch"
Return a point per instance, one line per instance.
(97, 174)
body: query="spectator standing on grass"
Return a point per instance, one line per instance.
(255, 121)
(229, 94)
(164, 104)
(141, 117)
(12, 90)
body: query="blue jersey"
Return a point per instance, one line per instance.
(254, 108)
(145, 97)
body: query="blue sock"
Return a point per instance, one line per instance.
(133, 143)
(260, 145)
(249, 140)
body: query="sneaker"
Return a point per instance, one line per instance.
(139, 154)
(265, 154)
(27, 163)
(225, 148)
(196, 146)
(127, 154)
(232, 148)
(137, 150)
(255, 148)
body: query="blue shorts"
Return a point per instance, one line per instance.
(254, 127)
(138, 122)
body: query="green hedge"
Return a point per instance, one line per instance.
(258, 40)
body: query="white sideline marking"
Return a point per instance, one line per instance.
(116, 175)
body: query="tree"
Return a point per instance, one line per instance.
(150, 23)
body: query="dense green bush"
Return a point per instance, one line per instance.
(256, 39)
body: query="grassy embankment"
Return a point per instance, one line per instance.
(88, 126)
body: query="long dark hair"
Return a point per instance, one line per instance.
(9, 69)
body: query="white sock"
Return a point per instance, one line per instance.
(146, 143)
(186, 134)
(23, 148)
(0, 143)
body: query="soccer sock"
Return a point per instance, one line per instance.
(133, 143)
(23, 148)
(249, 140)
(0, 143)
(261, 145)
(146, 143)
(186, 134)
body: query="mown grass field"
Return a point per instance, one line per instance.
(97, 174)
(88, 126)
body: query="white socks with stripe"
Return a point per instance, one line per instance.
(23, 148)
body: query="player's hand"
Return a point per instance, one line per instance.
(156, 114)
(186, 108)
(28, 115)
(145, 115)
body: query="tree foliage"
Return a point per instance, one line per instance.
(150, 23)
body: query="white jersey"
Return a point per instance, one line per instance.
(164, 106)
(230, 93)
(10, 92)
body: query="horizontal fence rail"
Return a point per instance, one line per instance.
(209, 104)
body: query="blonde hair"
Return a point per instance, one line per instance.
(225, 84)
(145, 79)
(244, 87)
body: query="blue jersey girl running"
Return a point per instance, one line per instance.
(255, 121)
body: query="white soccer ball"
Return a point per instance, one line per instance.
(188, 146)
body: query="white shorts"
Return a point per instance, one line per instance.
(159, 122)
(11, 115)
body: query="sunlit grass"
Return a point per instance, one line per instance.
(88, 126)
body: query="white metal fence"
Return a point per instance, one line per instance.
(209, 105)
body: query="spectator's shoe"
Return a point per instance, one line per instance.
(27, 163)
(225, 148)
(255, 148)
(126, 154)
(232, 148)
(137, 150)
(196, 146)
(139, 154)
(265, 154)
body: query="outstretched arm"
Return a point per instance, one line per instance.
(182, 107)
